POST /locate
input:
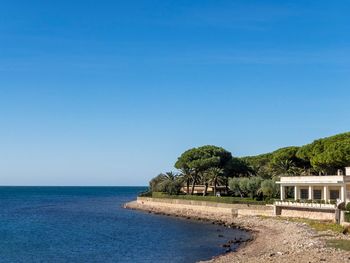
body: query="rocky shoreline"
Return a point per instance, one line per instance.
(272, 240)
(278, 240)
(227, 245)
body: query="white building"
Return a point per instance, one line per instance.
(327, 188)
(315, 197)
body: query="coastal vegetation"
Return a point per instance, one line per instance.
(342, 244)
(322, 156)
(250, 177)
(205, 164)
(319, 226)
(253, 187)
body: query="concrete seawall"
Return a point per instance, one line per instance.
(199, 209)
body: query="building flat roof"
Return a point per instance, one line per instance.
(314, 179)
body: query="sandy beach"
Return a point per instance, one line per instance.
(274, 239)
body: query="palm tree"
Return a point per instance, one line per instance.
(213, 174)
(286, 167)
(205, 178)
(170, 182)
(195, 179)
(186, 175)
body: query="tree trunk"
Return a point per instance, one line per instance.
(188, 186)
(205, 189)
(193, 184)
(215, 182)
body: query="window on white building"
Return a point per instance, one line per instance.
(304, 193)
(334, 194)
(317, 194)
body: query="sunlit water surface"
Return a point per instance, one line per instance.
(88, 224)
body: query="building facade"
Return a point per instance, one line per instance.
(314, 197)
(330, 188)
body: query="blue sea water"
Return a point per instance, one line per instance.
(88, 224)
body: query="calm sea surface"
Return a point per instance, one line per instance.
(88, 224)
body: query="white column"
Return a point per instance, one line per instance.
(342, 193)
(283, 194)
(325, 193)
(311, 192)
(296, 192)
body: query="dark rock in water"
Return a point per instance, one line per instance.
(226, 245)
(220, 235)
(228, 250)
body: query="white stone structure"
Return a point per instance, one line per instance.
(315, 197)
(328, 188)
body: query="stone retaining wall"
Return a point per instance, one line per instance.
(316, 214)
(223, 211)
(204, 209)
(204, 203)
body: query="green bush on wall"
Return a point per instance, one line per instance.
(347, 216)
(347, 207)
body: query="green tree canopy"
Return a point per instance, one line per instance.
(327, 154)
(287, 153)
(268, 188)
(238, 167)
(259, 165)
(200, 159)
(203, 158)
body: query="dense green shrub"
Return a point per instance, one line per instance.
(347, 216)
(254, 187)
(166, 182)
(234, 186)
(269, 188)
(347, 207)
(145, 194)
(155, 185)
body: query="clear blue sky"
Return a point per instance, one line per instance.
(111, 92)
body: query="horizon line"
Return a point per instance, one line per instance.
(73, 186)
